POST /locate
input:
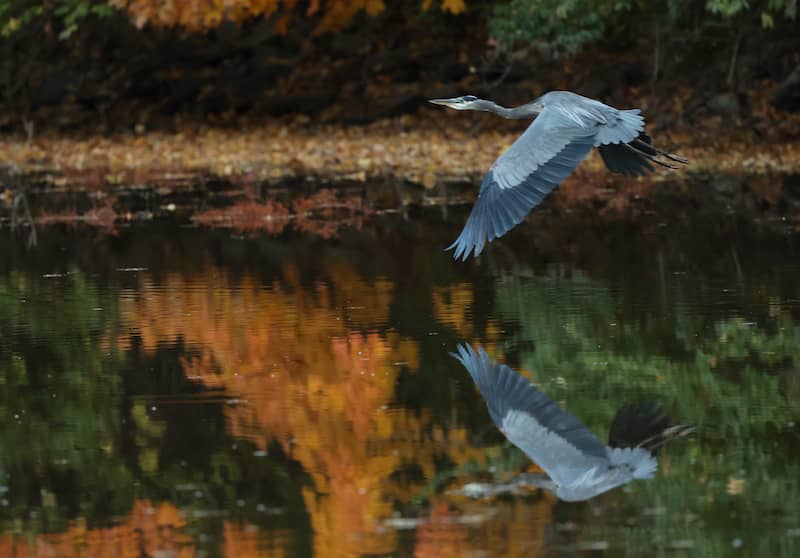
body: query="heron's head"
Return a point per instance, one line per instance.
(466, 102)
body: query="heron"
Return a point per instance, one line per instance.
(565, 128)
(577, 465)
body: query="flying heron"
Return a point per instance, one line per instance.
(565, 128)
(577, 464)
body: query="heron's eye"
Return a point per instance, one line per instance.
(468, 98)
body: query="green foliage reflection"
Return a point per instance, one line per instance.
(60, 407)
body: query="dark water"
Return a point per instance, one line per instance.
(168, 390)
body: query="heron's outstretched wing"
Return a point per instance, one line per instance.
(551, 437)
(519, 180)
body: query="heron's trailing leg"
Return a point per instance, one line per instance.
(650, 157)
(647, 147)
(670, 433)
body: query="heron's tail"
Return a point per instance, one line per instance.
(640, 462)
(623, 128)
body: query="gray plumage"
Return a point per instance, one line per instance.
(566, 127)
(578, 465)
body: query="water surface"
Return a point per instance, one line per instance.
(171, 390)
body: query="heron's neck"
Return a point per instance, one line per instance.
(534, 479)
(528, 110)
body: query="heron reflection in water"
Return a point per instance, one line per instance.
(566, 127)
(577, 464)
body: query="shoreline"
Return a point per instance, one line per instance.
(424, 159)
(422, 150)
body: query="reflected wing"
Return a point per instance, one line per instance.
(519, 180)
(551, 437)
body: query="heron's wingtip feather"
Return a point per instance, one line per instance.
(463, 353)
(462, 248)
(478, 230)
(476, 362)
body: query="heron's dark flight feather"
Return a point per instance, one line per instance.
(634, 424)
(620, 159)
(645, 425)
(645, 143)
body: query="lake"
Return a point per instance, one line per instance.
(173, 389)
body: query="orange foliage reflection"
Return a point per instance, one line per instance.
(148, 531)
(322, 214)
(514, 528)
(310, 375)
(248, 541)
(313, 369)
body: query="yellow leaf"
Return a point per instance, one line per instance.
(453, 6)
(374, 7)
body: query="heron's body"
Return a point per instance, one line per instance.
(578, 465)
(566, 127)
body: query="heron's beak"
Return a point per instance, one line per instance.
(444, 102)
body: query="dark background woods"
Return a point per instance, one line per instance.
(127, 65)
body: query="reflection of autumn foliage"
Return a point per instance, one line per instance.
(452, 306)
(248, 541)
(441, 537)
(308, 377)
(248, 216)
(102, 217)
(148, 531)
(512, 529)
(322, 214)
(313, 369)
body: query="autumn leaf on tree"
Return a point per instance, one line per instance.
(200, 15)
(451, 6)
